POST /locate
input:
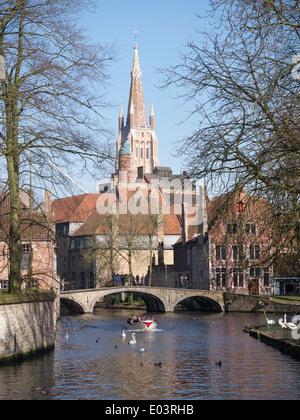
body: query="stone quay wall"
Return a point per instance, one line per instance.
(27, 326)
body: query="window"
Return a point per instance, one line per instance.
(220, 252)
(92, 280)
(25, 262)
(142, 154)
(254, 272)
(234, 252)
(241, 280)
(231, 228)
(82, 280)
(26, 248)
(254, 252)
(4, 284)
(238, 278)
(221, 277)
(266, 277)
(237, 253)
(147, 154)
(250, 228)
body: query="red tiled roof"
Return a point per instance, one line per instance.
(97, 224)
(74, 209)
(32, 224)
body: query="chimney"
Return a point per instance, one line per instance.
(48, 211)
(185, 226)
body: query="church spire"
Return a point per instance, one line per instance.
(136, 96)
(137, 135)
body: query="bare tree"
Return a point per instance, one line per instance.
(238, 80)
(102, 251)
(51, 98)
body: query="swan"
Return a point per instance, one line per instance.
(123, 334)
(133, 340)
(289, 325)
(281, 323)
(292, 326)
(271, 321)
(142, 350)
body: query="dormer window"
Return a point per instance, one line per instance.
(240, 207)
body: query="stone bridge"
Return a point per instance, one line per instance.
(157, 299)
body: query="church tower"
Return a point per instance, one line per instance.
(140, 135)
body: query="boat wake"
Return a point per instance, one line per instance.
(143, 330)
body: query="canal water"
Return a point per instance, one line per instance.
(93, 361)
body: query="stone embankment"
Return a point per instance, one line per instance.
(277, 337)
(245, 303)
(27, 324)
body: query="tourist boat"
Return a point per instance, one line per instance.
(144, 323)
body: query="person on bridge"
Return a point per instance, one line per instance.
(250, 287)
(117, 280)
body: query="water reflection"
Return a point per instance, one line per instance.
(96, 362)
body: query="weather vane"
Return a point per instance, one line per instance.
(135, 35)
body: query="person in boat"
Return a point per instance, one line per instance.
(133, 319)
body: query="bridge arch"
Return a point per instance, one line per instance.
(199, 302)
(72, 306)
(152, 302)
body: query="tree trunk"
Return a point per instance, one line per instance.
(15, 244)
(150, 259)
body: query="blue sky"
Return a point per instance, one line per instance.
(164, 27)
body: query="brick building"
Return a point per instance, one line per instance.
(37, 235)
(231, 247)
(90, 241)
